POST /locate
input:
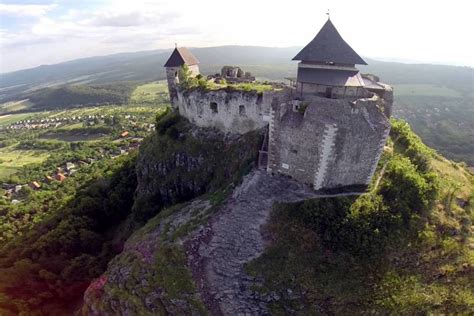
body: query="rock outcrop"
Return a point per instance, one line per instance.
(203, 246)
(181, 162)
(191, 257)
(219, 250)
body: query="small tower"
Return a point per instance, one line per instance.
(180, 56)
(327, 66)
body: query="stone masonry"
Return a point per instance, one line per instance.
(327, 143)
(326, 129)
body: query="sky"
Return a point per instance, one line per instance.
(37, 32)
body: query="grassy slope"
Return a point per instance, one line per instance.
(426, 268)
(8, 119)
(149, 93)
(14, 106)
(12, 160)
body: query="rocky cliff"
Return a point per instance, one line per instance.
(216, 244)
(181, 161)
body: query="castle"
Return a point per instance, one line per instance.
(326, 128)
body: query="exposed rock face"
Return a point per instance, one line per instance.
(182, 167)
(218, 251)
(191, 257)
(150, 276)
(157, 274)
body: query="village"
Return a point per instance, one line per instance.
(41, 150)
(87, 120)
(13, 191)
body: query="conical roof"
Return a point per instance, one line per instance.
(329, 46)
(181, 56)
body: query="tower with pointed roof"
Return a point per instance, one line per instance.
(181, 56)
(327, 66)
(327, 129)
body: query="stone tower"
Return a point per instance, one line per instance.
(332, 134)
(180, 56)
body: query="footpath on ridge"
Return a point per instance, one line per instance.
(218, 251)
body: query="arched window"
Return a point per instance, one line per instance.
(213, 106)
(242, 110)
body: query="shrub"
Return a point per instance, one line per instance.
(412, 145)
(407, 191)
(166, 122)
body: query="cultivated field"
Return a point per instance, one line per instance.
(97, 124)
(11, 160)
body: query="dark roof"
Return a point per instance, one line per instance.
(181, 56)
(328, 46)
(330, 77)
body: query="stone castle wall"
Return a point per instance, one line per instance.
(323, 142)
(334, 143)
(230, 111)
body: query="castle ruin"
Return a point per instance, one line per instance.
(327, 128)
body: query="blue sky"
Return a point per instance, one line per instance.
(36, 32)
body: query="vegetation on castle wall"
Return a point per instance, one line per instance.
(188, 82)
(402, 248)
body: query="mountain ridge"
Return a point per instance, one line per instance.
(148, 66)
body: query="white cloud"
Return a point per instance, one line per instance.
(119, 19)
(125, 25)
(98, 31)
(25, 9)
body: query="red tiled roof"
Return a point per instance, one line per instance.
(181, 56)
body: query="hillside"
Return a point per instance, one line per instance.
(173, 229)
(83, 95)
(265, 62)
(435, 99)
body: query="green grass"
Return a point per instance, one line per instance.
(425, 90)
(149, 93)
(73, 126)
(68, 137)
(428, 269)
(15, 106)
(13, 159)
(6, 172)
(9, 119)
(452, 175)
(253, 86)
(244, 86)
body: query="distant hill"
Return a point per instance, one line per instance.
(83, 95)
(435, 99)
(142, 66)
(265, 62)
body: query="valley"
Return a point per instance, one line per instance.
(436, 100)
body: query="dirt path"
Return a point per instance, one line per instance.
(218, 252)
